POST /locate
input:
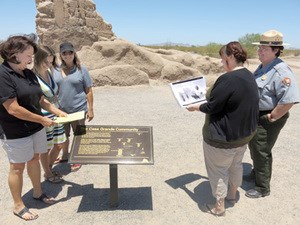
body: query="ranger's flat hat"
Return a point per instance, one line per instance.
(271, 38)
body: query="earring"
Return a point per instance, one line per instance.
(17, 59)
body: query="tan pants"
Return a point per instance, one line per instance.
(223, 166)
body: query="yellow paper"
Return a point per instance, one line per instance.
(71, 117)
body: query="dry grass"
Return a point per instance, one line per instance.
(212, 50)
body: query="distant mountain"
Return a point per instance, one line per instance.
(170, 44)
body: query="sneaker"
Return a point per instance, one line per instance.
(252, 193)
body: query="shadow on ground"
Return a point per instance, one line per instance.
(93, 199)
(246, 184)
(202, 193)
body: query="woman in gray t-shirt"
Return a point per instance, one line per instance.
(75, 92)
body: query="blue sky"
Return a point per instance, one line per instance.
(194, 22)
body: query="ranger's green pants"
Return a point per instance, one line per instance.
(261, 149)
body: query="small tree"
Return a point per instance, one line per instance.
(212, 49)
(247, 41)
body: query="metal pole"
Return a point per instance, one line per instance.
(113, 174)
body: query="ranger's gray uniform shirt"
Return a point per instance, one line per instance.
(277, 85)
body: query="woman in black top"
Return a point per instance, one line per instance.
(231, 117)
(21, 99)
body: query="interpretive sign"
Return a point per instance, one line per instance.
(96, 144)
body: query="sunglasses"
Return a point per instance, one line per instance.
(67, 53)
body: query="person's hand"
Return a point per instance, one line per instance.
(46, 122)
(62, 114)
(193, 107)
(270, 118)
(90, 115)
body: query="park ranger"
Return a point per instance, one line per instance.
(278, 92)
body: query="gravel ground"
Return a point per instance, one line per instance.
(173, 190)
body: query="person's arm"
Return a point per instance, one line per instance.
(90, 103)
(13, 108)
(45, 104)
(286, 91)
(193, 107)
(217, 99)
(279, 111)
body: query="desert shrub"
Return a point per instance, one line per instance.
(291, 52)
(246, 41)
(212, 49)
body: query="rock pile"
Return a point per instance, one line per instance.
(122, 63)
(75, 20)
(111, 60)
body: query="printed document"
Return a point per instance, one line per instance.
(189, 91)
(71, 117)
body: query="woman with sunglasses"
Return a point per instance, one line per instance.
(75, 92)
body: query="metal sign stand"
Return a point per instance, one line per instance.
(113, 145)
(113, 175)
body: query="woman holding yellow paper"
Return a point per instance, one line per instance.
(22, 120)
(44, 59)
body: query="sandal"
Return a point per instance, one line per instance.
(213, 212)
(55, 173)
(60, 160)
(46, 199)
(22, 213)
(54, 179)
(75, 167)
